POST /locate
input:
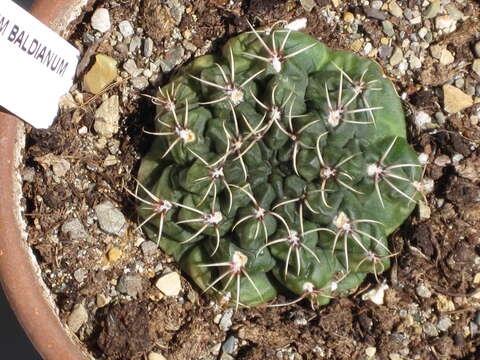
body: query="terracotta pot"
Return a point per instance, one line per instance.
(19, 272)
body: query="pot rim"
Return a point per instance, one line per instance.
(19, 272)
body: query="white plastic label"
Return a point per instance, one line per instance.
(37, 66)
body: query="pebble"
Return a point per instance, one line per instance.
(130, 284)
(476, 49)
(170, 284)
(442, 160)
(226, 320)
(394, 9)
(80, 275)
(375, 13)
(135, 43)
(74, 228)
(107, 117)
(155, 356)
(131, 67)
(348, 17)
(230, 345)
(444, 324)
(102, 300)
(454, 12)
(396, 57)
(356, 45)
(114, 254)
(415, 62)
(385, 51)
(101, 20)
(473, 329)
(29, 174)
(110, 160)
(455, 100)
(226, 357)
(101, 74)
(476, 66)
(148, 47)
(432, 9)
(422, 119)
(423, 291)
(394, 356)
(149, 249)
(424, 210)
(77, 318)
(440, 117)
(126, 28)
(172, 58)
(308, 5)
(370, 351)
(376, 295)
(429, 329)
(445, 23)
(443, 54)
(388, 28)
(139, 82)
(110, 219)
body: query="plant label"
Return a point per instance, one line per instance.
(37, 66)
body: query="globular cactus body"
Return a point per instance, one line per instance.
(278, 166)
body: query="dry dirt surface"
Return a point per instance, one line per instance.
(102, 271)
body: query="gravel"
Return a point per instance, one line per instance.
(110, 219)
(74, 228)
(148, 47)
(107, 117)
(230, 345)
(423, 291)
(130, 284)
(375, 13)
(126, 28)
(77, 317)
(149, 249)
(226, 320)
(101, 20)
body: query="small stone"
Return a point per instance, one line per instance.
(149, 249)
(422, 120)
(473, 328)
(295, 25)
(101, 20)
(446, 57)
(432, 9)
(114, 254)
(107, 116)
(126, 28)
(424, 210)
(442, 160)
(440, 117)
(445, 23)
(476, 66)
(374, 13)
(110, 219)
(148, 47)
(226, 357)
(388, 28)
(110, 160)
(135, 44)
(476, 49)
(172, 58)
(415, 62)
(170, 284)
(67, 102)
(60, 167)
(28, 174)
(230, 345)
(101, 74)
(348, 17)
(131, 67)
(77, 318)
(376, 295)
(308, 5)
(74, 228)
(455, 100)
(423, 291)
(370, 351)
(155, 356)
(130, 284)
(226, 320)
(80, 275)
(139, 82)
(102, 300)
(459, 83)
(385, 51)
(394, 9)
(394, 356)
(429, 329)
(356, 45)
(396, 57)
(444, 324)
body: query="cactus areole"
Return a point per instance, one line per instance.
(278, 166)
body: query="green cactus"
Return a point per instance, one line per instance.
(279, 165)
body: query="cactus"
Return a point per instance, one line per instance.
(278, 166)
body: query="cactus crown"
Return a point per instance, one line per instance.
(278, 165)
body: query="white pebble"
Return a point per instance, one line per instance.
(101, 20)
